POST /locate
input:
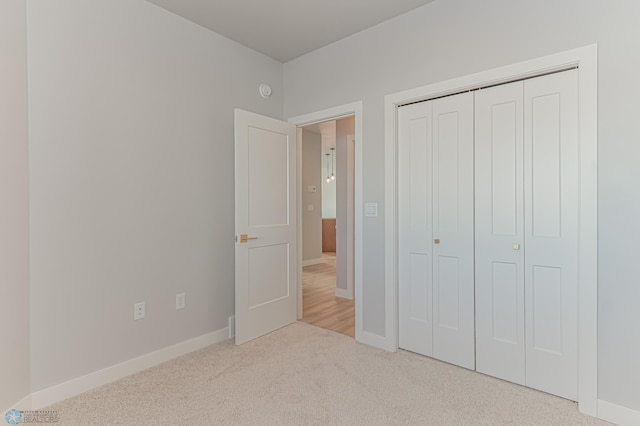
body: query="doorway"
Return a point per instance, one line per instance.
(327, 223)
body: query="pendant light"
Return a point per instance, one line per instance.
(328, 177)
(333, 176)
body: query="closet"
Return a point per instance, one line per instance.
(488, 231)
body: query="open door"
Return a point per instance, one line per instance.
(266, 254)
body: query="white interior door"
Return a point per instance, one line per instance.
(266, 255)
(415, 237)
(453, 248)
(551, 182)
(499, 232)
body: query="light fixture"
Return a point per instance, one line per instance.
(333, 176)
(328, 177)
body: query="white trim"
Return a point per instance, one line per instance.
(98, 378)
(376, 341)
(335, 113)
(585, 58)
(299, 210)
(343, 293)
(310, 262)
(618, 414)
(351, 140)
(23, 405)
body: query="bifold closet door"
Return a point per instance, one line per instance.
(435, 235)
(415, 238)
(551, 188)
(453, 271)
(527, 232)
(500, 340)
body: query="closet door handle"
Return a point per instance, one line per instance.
(516, 246)
(436, 241)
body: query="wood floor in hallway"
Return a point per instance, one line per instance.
(320, 306)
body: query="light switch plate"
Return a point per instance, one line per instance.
(371, 209)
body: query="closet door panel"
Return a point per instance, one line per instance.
(551, 232)
(415, 228)
(453, 272)
(499, 228)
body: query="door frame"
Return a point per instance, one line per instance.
(336, 113)
(586, 59)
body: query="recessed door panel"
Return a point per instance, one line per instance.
(268, 188)
(448, 302)
(268, 274)
(453, 331)
(505, 306)
(546, 286)
(499, 214)
(545, 165)
(415, 228)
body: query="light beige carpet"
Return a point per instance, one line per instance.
(303, 375)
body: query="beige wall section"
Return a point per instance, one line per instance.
(311, 176)
(452, 38)
(131, 120)
(344, 128)
(14, 206)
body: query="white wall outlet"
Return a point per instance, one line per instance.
(180, 301)
(138, 311)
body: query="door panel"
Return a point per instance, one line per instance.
(453, 286)
(500, 338)
(265, 191)
(268, 178)
(414, 228)
(551, 232)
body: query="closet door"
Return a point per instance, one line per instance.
(453, 271)
(551, 232)
(414, 228)
(500, 350)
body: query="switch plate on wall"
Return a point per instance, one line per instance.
(180, 301)
(371, 209)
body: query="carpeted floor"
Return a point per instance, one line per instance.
(304, 375)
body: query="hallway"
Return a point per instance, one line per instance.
(321, 307)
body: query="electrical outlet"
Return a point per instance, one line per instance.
(180, 301)
(138, 311)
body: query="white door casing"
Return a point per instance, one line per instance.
(265, 208)
(500, 346)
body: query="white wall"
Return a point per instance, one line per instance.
(131, 121)
(14, 206)
(344, 128)
(311, 176)
(450, 38)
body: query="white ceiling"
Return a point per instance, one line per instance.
(286, 29)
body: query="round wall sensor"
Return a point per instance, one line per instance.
(265, 90)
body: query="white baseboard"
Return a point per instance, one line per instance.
(341, 292)
(374, 340)
(90, 381)
(310, 262)
(618, 414)
(23, 405)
